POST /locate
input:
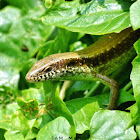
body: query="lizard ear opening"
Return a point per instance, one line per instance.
(75, 63)
(70, 64)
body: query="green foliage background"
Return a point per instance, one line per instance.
(33, 29)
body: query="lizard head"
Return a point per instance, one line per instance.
(55, 67)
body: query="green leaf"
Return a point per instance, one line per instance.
(5, 116)
(20, 37)
(23, 84)
(134, 14)
(82, 88)
(33, 94)
(49, 3)
(20, 123)
(13, 135)
(9, 72)
(136, 118)
(135, 75)
(77, 46)
(29, 108)
(124, 96)
(138, 127)
(32, 134)
(28, 4)
(2, 3)
(59, 44)
(94, 17)
(8, 15)
(2, 131)
(47, 92)
(56, 129)
(43, 118)
(59, 106)
(82, 111)
(82, 85)
(108, 124)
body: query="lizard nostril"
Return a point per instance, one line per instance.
(27, 77)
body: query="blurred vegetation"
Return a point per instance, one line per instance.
(33, 29)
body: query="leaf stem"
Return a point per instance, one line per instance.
(92, 89)
(128, 86)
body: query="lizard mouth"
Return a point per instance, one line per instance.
(37, 78)
(31, 78)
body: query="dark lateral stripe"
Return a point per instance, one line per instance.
(119, 49)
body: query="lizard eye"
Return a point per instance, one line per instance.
(48, 69)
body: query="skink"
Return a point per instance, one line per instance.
(92, 63)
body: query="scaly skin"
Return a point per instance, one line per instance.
(93, 63)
